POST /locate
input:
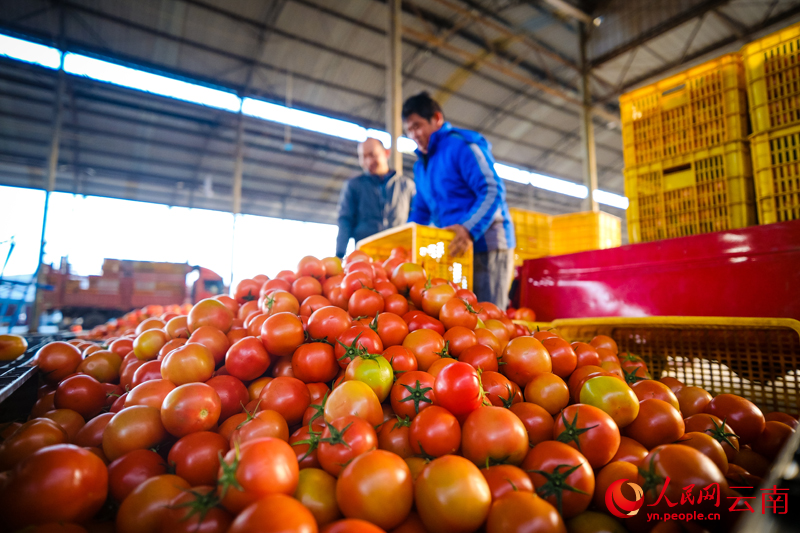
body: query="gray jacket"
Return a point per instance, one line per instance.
(369, 204)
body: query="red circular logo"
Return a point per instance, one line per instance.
(618, 504)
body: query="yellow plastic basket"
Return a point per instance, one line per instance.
(776, 166)
(532, 231)
(699, 108)
(580, 232)
(757, 358)
(427, 246)
(772, 67)
(700, 192)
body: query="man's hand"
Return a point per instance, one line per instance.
(462, 240)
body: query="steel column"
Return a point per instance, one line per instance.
(52, 168)
(587, 127)
(394, 83)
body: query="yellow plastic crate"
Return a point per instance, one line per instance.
(532, 231)
(590, 230)
(772, 68)
(757, 358)
(699, 108)
(700, 192)
(427, 246)
(776, 166)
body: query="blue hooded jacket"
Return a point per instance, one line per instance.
(457, 184)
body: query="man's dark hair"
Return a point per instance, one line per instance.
(423, 105)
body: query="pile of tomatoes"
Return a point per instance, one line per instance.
(364, 399)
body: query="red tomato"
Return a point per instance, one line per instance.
(282, 333)
(562, 356)
(426, 345)
(772, 439)
(405, 275)
(195, 457)
(344, 439)
(365, 302)
(610, 473)
(411, 393)
(279, 301)
(493, 435)
(328, 323)
(590, 431)
(147, 371)
(306, 286)
(195, 511)
(555, 470)
(435, 432)
(210, 312)
(354, 341)
(91, 434)
(787, 419)
(401, 359)
(692, 400)
(586, 353)
(391, 328)
(305, 442)
(150, 393)
(452, 495)
(80, 393)
(266, 423)
(133, 428)
(630, 451)
(190, 408)
(459, 339)
(246, 291)
(393, 436)
(536, 420)
(144, 508)
(419, 320)
(458, 389)
(742, 415)
(232, 393)
(548, 391)
(257, 469)
(288, 396)
(188, 364)
(500, 391)
(215, 340)
(708, 446)
(524, 511)
(524, 357)
(657, 423)
(457, 312)
(395, 303)
(648, 388)
(376, 486)
(722, 432)
(275, 513)
(32, 436)
(315, 362)
(478, 356)
(247, 359)
(131, 470)
(504, 479)
(60, 483)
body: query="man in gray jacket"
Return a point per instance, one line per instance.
(376, 200)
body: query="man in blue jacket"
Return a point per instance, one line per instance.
(376, 200)
(458, 189)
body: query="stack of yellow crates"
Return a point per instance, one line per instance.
(772, 66)
(687, 159)
(581, 232)
(532, 231)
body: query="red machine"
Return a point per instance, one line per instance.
(750, 272)
(126, 285)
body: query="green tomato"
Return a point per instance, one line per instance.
(374, 370)
(613, 396)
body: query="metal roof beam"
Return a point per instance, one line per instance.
(657, 30)
(744, 35)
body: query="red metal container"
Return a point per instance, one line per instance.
(750, 272)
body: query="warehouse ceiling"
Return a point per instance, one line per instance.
(510, 69)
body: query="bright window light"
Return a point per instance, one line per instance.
(98, 69)
(29, 52)
(406, 145)
(382, 136)
(609, 198)
(512, 174)
(561, 186)
(303, 120)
